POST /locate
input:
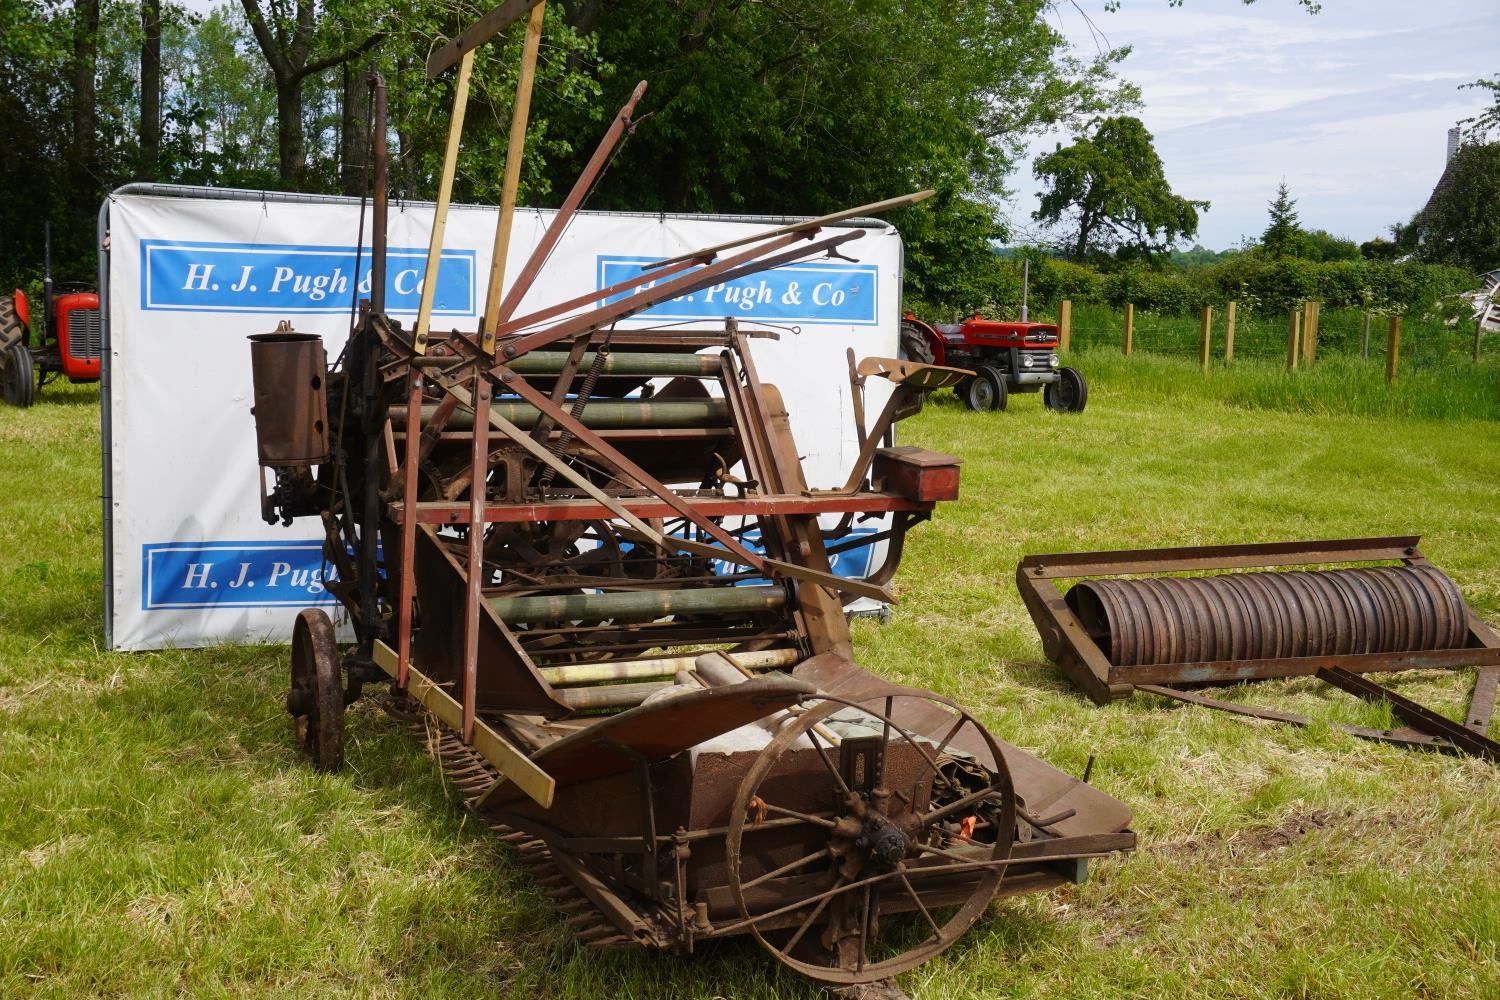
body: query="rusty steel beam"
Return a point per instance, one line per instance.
(1420, 717)
(759, 505)
(729, 269)
(476, 34)
(569, 208)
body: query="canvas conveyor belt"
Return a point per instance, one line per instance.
(470, 775)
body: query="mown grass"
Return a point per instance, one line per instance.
(160, 836)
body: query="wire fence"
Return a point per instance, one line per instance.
(1424, 344)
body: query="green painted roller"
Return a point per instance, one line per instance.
(637, 606)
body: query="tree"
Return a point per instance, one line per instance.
(1282, 237)
(1114, 190)
(1488, 120)
(802, 106)
(287, 39)
(1321, 245)
(150, 132)
(1460, 225)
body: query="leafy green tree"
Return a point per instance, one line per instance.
(1283, 236)
(1488, 120)
(802, 106)
(1379, 249)
(1460, 224)
(1110, 193)
(288, 38)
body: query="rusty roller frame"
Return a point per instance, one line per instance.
(1135, 622)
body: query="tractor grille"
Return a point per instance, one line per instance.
(1040, 361)
(85, 333)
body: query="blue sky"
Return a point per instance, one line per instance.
(1351, 106)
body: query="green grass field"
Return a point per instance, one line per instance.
(159, 834)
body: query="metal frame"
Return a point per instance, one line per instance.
(1067, 643)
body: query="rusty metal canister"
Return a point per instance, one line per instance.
(1252, 616)
(290, 371)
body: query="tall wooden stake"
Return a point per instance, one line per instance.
(1393, 349)
(1129, 328)
(445, 195)
(1293, 338)
(1229, 311)
(513, 156)
(1205, 336)
(1310, 331)
(1065, 327)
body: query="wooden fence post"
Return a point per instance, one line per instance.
(1478, 329)
(1129, 327)
(1229, 311)
(1310, 331)
(1205, 336)
(1364, 346)
(1065, 324)
(1393, 349)
(1293, 338)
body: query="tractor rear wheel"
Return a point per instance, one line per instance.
(12, 331)
(17, 376)
(913, 345)
(1069, 394)
(316, 699)
(986, 390)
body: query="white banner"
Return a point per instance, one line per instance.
(188, 559)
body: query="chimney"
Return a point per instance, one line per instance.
(1455, 138)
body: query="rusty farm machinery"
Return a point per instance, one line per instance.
(542, 532)
(1171, 621)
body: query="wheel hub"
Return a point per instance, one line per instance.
(867, 838)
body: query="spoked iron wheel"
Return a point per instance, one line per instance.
(849, 818)
(316, 700)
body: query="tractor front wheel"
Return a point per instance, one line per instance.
(1069, 394)
(17, 376)
(986, 390)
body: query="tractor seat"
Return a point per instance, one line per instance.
(952, 332)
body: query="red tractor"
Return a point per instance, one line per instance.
(1005, 358)
(68, 342)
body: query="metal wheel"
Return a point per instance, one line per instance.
(316, 699)
(986, 390)
(1069, 394)
(833, 834)
(17, 376)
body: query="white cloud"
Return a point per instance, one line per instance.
(1352, 105)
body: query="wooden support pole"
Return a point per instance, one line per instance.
(1392, 348)
(1129, 328)
(1065, 328)
(513, 155)
(1364, 344)
(1229, 311)
(445, 194)
(1309, 331)
(1205, 336)
(1293, 338)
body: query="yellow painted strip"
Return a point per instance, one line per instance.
(493, 747)
(512, 177)
(445, 193)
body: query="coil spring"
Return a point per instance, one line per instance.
(1252, 616)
